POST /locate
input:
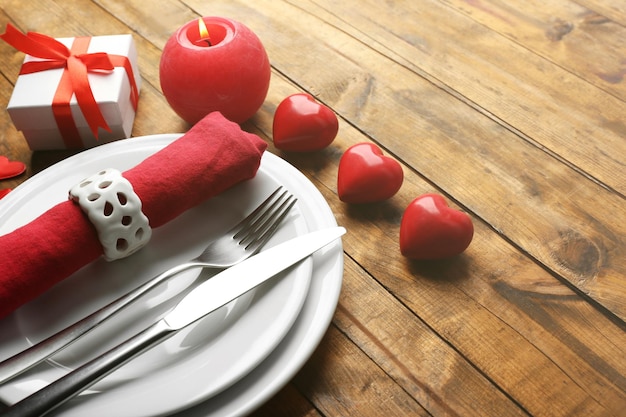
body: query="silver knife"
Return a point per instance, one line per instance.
(202, 300)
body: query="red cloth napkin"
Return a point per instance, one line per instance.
(212, 156)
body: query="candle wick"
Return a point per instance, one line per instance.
(203, 42)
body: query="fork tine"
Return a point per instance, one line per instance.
(259, 230)
(266, 230)
(258, 226)
(250, 219)
(257, 220)
(251, 222)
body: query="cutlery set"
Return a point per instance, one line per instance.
(244, 268)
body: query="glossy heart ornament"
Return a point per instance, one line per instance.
(430, 229)
(10, 169)
(301, 124)
(366, 175)
(4, 192)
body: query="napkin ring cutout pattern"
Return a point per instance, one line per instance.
(110, 203)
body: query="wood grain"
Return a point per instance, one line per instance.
(545, 207)
(513, 110)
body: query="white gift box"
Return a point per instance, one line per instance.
(30, 106)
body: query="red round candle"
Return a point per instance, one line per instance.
(228, 71)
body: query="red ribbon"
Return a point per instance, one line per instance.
(76, 64)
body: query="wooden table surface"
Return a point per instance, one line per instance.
(514, 111)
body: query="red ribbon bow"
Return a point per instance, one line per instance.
(77, 63)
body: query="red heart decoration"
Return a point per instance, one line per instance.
(4, 191)
(365, 175)
(431, 230)
(301, 124)
(10, 169)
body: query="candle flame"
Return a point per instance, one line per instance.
(204, 32)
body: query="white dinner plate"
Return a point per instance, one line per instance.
(201, 361)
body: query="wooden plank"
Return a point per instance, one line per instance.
(343, 381)
(434, 373)
(287, 403)
(527, 94)
(613, 9)
(575, 38)
(152, 26)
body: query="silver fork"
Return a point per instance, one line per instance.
(242, 241)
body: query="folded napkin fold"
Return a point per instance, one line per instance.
(214, 155)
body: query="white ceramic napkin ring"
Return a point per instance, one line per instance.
(114, 209)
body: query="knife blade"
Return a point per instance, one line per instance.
(199, 302)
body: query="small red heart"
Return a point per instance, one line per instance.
(431, 230)
(4, 191)
(301, 124)
(365, 175)
(10, 169)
